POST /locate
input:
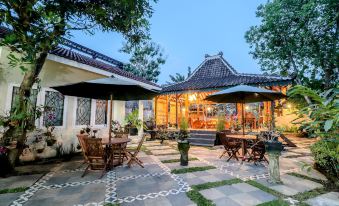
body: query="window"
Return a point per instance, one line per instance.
(148, 109)
(100, 112)
(83, 113)
(15, 96)
(54, 112)
(130, 106)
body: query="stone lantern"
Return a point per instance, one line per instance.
(274, 148)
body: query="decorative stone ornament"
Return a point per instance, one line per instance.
(274, 148)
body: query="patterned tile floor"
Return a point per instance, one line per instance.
(155, 184)
(240, 194)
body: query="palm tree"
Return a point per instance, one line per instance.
(179, 77)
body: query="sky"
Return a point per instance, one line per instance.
(189, 29)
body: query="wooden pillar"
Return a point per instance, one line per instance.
(176, 111)
(155, 110)
(186, 107)
(166, 110)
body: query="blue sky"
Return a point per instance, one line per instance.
(189, 29)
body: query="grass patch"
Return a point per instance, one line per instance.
(191, 169)
(310, 194)
(300, 196)
(277, 202)
(144, 149)
(13, 190)
(265, 189)
(177, 160)
(200, 200)
(167, 154)
(209, 185)
(306, 177)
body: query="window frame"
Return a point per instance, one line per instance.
(42, 102)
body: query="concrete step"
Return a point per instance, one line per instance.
(203, 136)
(201, 144)
(202, 132)
(201, 141)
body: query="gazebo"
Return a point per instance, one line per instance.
(186, 99)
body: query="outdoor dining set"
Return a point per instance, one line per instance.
(104, 153)
(252, 146)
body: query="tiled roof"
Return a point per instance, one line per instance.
(216, 73)
(69, 54)
(84, 59)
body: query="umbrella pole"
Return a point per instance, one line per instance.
(110, 117)
(272, 115)
(243, 118)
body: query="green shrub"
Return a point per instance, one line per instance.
(183, 124)
(323, 121)
(221, 123)
(326, 156)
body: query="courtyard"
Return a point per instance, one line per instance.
(207, 180)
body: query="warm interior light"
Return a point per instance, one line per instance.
(192, 97)
(289, 106)
(183, 109)
(209, 109)
(247, 107)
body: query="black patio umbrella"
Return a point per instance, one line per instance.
(108, 88)
(245, 94)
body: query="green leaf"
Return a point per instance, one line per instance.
(328, 125)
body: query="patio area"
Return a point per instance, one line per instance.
(207, 180)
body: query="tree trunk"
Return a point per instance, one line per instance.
(24, 123)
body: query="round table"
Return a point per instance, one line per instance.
(116, 142)
(243, 139)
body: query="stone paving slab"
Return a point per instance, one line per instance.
(19, 181)
(77, 195)
(156, 147)
(328, 199)
(291, 185)
(6, 199)
(171, 200)
(164, 152)
(201, 177)
(241, 194)
(168, 157)
(176, 165)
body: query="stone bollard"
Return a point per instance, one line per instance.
(274, 148)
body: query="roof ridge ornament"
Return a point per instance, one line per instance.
(220, 53)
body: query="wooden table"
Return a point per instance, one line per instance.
(243, 139)
(117, 142)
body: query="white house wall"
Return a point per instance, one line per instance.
(52, 74)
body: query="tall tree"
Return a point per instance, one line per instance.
(179, 77)
(38, 26)
(145, 61)
(299, 38)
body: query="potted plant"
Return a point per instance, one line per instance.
(183, 143)
(150, 123)
(118, 130)
(133, 122)
(220, 128)
(4, 162)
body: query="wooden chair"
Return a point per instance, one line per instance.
(232, 147)
(133, 153)
(97, 158)
(257, 153)
(82, 144)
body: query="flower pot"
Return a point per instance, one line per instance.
(6, 167)
(183, 147)
(218, 136)
(133, 131)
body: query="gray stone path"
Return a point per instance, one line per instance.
(291, 185)
(19, 181)
(328, 199)
(155, 185)
(240, 194)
